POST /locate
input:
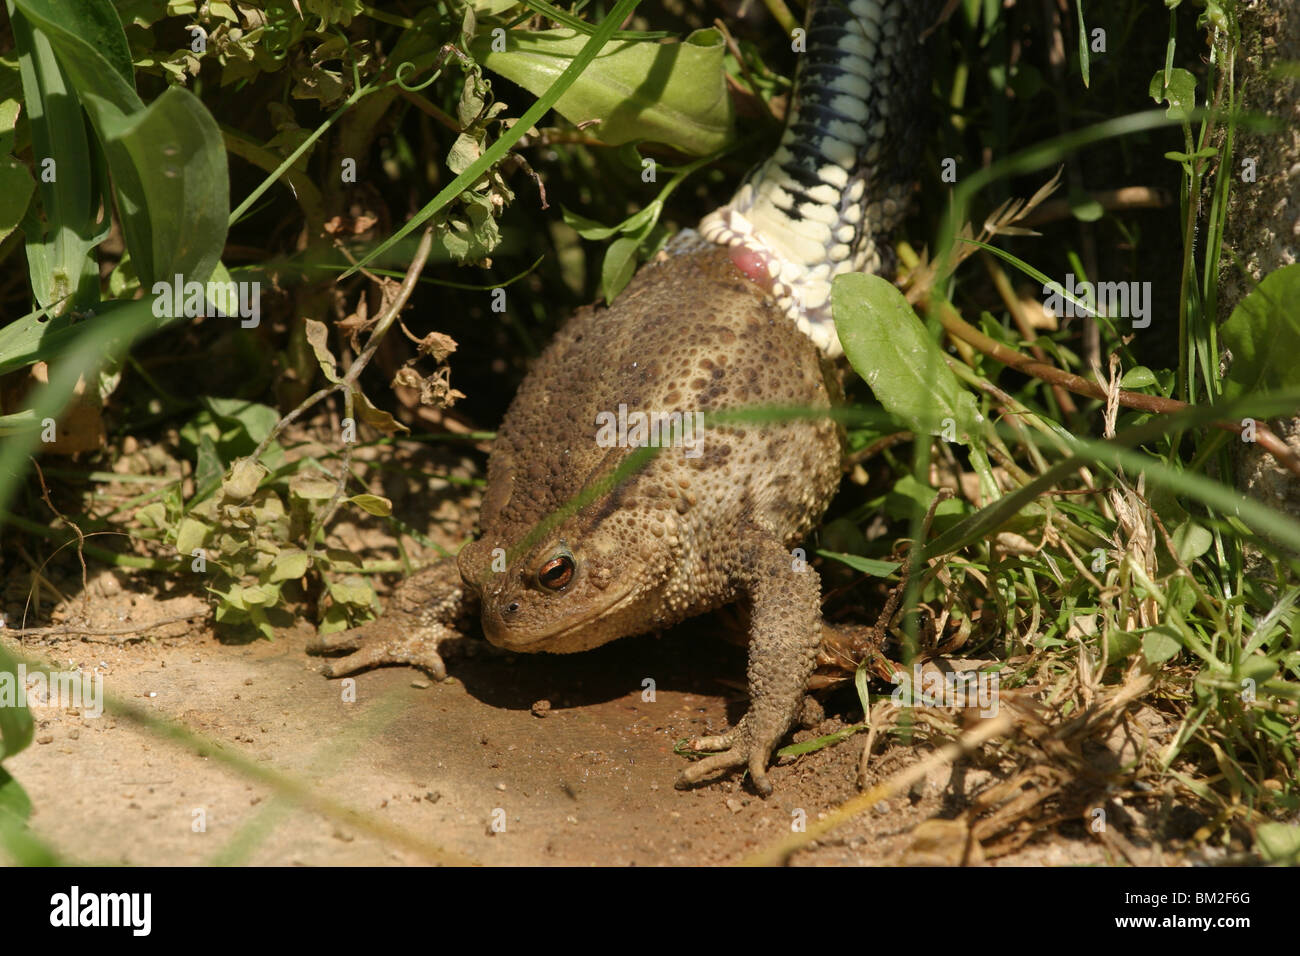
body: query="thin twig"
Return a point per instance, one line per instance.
(71, 630)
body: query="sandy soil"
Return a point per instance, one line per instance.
(588, 782)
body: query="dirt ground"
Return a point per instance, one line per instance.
(590, 781)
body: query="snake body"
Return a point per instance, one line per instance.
(838, 184)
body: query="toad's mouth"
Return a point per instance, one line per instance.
(501, 634)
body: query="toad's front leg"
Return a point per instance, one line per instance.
(785, 631)
(426, 609)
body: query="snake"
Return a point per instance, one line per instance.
(839, 182)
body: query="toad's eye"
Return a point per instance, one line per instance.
(556, 573)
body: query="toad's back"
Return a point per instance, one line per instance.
(690, 335)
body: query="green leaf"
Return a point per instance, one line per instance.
(11, 93)
(503, 143)
(890, 348)
(879, 569)
(1121, 645)
(15, 805)
(91, 33)
(15, 720)
(16, 188)
(672, 93)
(312, 487)
(290, 564)
(618, 267)
(1278, 842)
(1084, 62)
(1140, 377)
(353, 590)
(171, 184)
(59, 249)
(1160, 644)
(253, 419)
(190, 535)
(860, 678)
(1191, 541)
(209, 469)
(373, 504)
(258, 595)
(1263, 334)
(637, 222)
(1257, 667)
(1179, 93)
(318, 335)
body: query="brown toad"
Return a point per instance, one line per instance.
(571, 557)
(584, 541)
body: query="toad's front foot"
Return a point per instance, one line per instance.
(742, 746)
(425, 610)
(384, 642)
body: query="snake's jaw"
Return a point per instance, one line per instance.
(839, 183)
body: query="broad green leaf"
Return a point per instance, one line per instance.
(616, 271)
(256, 420)
(289, 564)
(1263, 334)
(1191, 541)
(190, 535)
(258, 595)
(1179, 93)
(352, 590)
(1160, 645)
(90, 33)
(672, 93)
(312, 487)
(888, 346)
(171, 184)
